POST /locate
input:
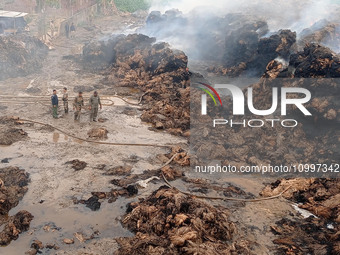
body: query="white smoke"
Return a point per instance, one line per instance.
(280, 14)
(201, 27)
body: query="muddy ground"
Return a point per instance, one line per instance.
(84, 196)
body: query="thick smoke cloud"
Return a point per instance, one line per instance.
(280, 14)
(200, 28)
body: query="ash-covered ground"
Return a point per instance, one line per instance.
(64, 195)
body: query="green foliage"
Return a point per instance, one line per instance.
(53, 3)
(132, 5)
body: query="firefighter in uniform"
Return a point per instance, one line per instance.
(77, 105)
(94, 103)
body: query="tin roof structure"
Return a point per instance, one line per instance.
(10, 14)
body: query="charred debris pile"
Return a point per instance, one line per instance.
(169, 222)
(238, 44)
(256, 146)
(20, 55)
(158, 71)
(241, 44)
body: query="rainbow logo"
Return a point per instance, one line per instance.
(210, 94)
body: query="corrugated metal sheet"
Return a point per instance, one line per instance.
(9, 14)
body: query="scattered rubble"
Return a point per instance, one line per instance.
(171, 171)
(77, 164)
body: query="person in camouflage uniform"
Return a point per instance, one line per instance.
(77, 105)
(94, 103)
(54, 100)
(65, 100)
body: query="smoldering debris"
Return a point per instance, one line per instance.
(20, 55)
(14, 186)
(256, 53)
(322, 32)
(201, 36)
(242, 38)
(157, 70)
(315, 61)
(249, 54)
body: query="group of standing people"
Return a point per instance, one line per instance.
(70, 30)
(78, 104)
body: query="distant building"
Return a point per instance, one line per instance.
(12, 22)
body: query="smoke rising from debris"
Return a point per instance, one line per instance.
(200, 27)
(280, 14)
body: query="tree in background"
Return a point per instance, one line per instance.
(131, 5)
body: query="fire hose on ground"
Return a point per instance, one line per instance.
(44, 100)
(216, 197)
(92, 141)
(167, 163)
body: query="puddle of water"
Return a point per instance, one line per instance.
(248, 184)
(69, 221)
(55, 137)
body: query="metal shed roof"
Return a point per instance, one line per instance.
(9, 14)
